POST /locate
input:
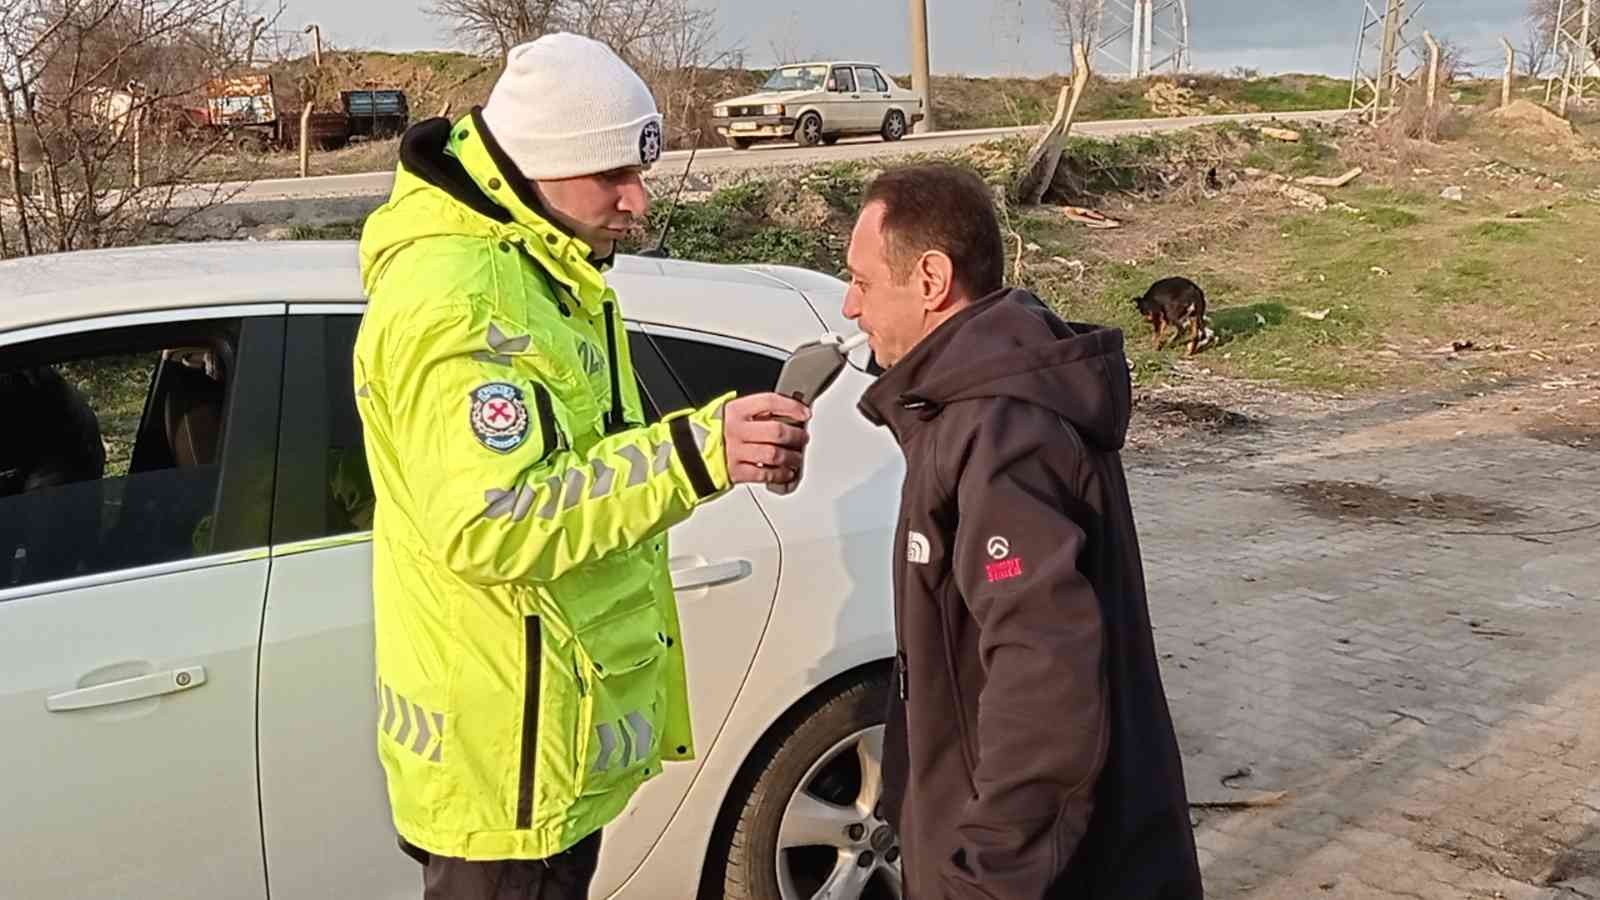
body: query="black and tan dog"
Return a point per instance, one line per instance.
(1171, 302)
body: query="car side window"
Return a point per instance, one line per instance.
(708, 370)
(658, 389)
(120, 440)
(872, 82)
(844, 82)
(323, 486)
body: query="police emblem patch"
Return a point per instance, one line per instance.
(499, 416)
(650, 143)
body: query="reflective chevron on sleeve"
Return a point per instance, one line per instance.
(663, 458)
(420, 730)
(636, 735)
(638, 465)
(643, 735)
(500, 345)
(388, 709)
(608, 745)
(604, 477)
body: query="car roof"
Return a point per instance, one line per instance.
(737, 301)
(835, 62)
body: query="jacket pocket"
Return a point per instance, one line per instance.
(622, 664)
(533, 659)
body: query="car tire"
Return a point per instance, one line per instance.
(818, 760)
(808, 131)
(894, 125)
(739, 143)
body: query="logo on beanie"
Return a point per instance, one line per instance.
(650, 143)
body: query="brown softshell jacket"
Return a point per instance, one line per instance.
(1030, 752)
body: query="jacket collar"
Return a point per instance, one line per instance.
(566, 257)
(893, 400)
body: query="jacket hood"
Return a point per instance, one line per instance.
(454, 180)
(1011, 346)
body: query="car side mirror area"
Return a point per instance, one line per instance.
(833, 86)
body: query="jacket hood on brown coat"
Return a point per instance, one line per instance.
(1014, 349)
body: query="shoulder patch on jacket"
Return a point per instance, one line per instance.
(499, 416)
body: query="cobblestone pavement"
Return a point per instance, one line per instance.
(1424, 686)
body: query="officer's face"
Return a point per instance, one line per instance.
(600, 209)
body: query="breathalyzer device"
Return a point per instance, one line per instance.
(811, 369)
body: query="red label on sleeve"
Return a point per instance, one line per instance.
(1005, 570)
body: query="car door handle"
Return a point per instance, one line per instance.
(128, 690)
(712, 575)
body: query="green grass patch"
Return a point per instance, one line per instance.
(1391, 218)
(342, 231)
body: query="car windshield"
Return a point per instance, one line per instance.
(797, 78)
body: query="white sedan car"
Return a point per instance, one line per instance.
(818, 103)
(186, 679)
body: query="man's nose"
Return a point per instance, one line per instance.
(634, 198)
(852, 305)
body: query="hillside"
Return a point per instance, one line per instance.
(434, 79)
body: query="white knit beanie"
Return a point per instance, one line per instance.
(568, 106)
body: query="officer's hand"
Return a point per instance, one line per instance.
(761, 449)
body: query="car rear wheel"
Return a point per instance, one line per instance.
(894, 125)
(808, 822)
(739, 143)
(808, 131)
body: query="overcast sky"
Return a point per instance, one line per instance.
(991, 37)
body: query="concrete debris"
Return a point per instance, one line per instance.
(1089, 218)
(1303, 198)
(1281, 134)
(1339, 182)
(1454, 193)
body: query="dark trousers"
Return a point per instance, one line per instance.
(565, 876)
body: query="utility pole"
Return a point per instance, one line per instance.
(921, 82)
(1137, 64)
(316, 31)
(256, 27)
(1511, 72)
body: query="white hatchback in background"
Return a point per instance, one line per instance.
(818, 103)
(186, 674)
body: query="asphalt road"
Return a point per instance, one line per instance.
(725, 159)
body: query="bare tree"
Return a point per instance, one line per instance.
(98, 86)
(1538, 44)
(671, 43)
(786, 47)
(1078, 21)
(495, 26)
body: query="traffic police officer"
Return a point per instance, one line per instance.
(530, 668)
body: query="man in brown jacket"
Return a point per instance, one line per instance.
(1030, 754)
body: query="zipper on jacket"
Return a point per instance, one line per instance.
(530, 723)
(615, 419)
(900, 670)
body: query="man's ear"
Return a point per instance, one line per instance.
(935, 274)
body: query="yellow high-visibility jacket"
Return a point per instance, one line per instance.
(529, 664)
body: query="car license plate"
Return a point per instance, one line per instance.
(744, 126)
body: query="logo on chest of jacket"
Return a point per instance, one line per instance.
(918, 549)
(499, 416)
